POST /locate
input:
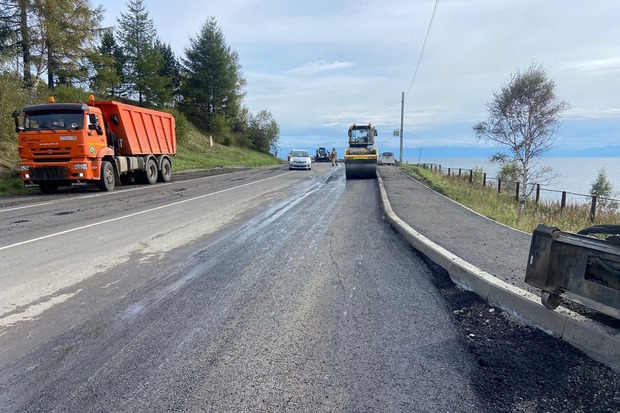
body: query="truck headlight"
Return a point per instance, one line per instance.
(80, 166)
(24, 167)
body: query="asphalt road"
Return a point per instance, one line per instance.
(252, 291)
(257, 290)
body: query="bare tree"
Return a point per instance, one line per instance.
(524, 117)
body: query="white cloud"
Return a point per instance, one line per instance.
(601, 66)
(319, 67)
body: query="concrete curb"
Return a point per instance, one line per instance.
(598, 341)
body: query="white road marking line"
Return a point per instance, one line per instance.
(137, 213)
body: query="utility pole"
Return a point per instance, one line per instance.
(402, 114)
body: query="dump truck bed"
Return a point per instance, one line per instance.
(143, 131)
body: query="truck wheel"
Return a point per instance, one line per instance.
(165, 174)
(108, 177)
(150, 174)
(48, 187)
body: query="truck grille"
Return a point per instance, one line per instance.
(44, 160)
(48, 173)
(50, 152)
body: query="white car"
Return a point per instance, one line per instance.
(387, 158)
(300, 159)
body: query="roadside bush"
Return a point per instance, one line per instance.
(182, 125)
(12, 97)
(221, 130)
(64, 93)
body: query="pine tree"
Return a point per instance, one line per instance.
(136, 32)
(15, 37)
(106, 61)
(9, 29)
(169, 73)
(213, 81)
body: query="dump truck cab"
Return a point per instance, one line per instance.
(60, 144)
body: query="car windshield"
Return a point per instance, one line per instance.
(300, 154)
(387, 154)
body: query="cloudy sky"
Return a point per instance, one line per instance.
(321, 65)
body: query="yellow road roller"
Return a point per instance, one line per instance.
(360, 158)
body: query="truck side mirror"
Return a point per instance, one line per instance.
(93, 124)
(16, 117)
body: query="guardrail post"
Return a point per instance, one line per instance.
(448, 171)
(459, 171)
(517, 191)
(537, 192)
(499, 186)
(593, 208)
(563, 203)
(484, 179)
(471, 176)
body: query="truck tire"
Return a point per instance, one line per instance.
(165, 174)
(150, 174)
(108, 177)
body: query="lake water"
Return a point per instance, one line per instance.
(575, 175)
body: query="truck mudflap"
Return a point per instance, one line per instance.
(578, 267)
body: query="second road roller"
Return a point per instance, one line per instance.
(360, 158)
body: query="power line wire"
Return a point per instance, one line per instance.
(428, 32)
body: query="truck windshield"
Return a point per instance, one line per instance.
(46, 120)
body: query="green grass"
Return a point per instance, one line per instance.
(193, 154)
(13, 186)
(503, 208)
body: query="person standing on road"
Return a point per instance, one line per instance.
(334, 156)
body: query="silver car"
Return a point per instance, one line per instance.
(387, 158)
(300, 159)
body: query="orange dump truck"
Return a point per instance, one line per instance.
(102, 142)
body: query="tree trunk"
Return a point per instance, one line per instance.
(23, 27)
(51, 66)
(523, 197)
